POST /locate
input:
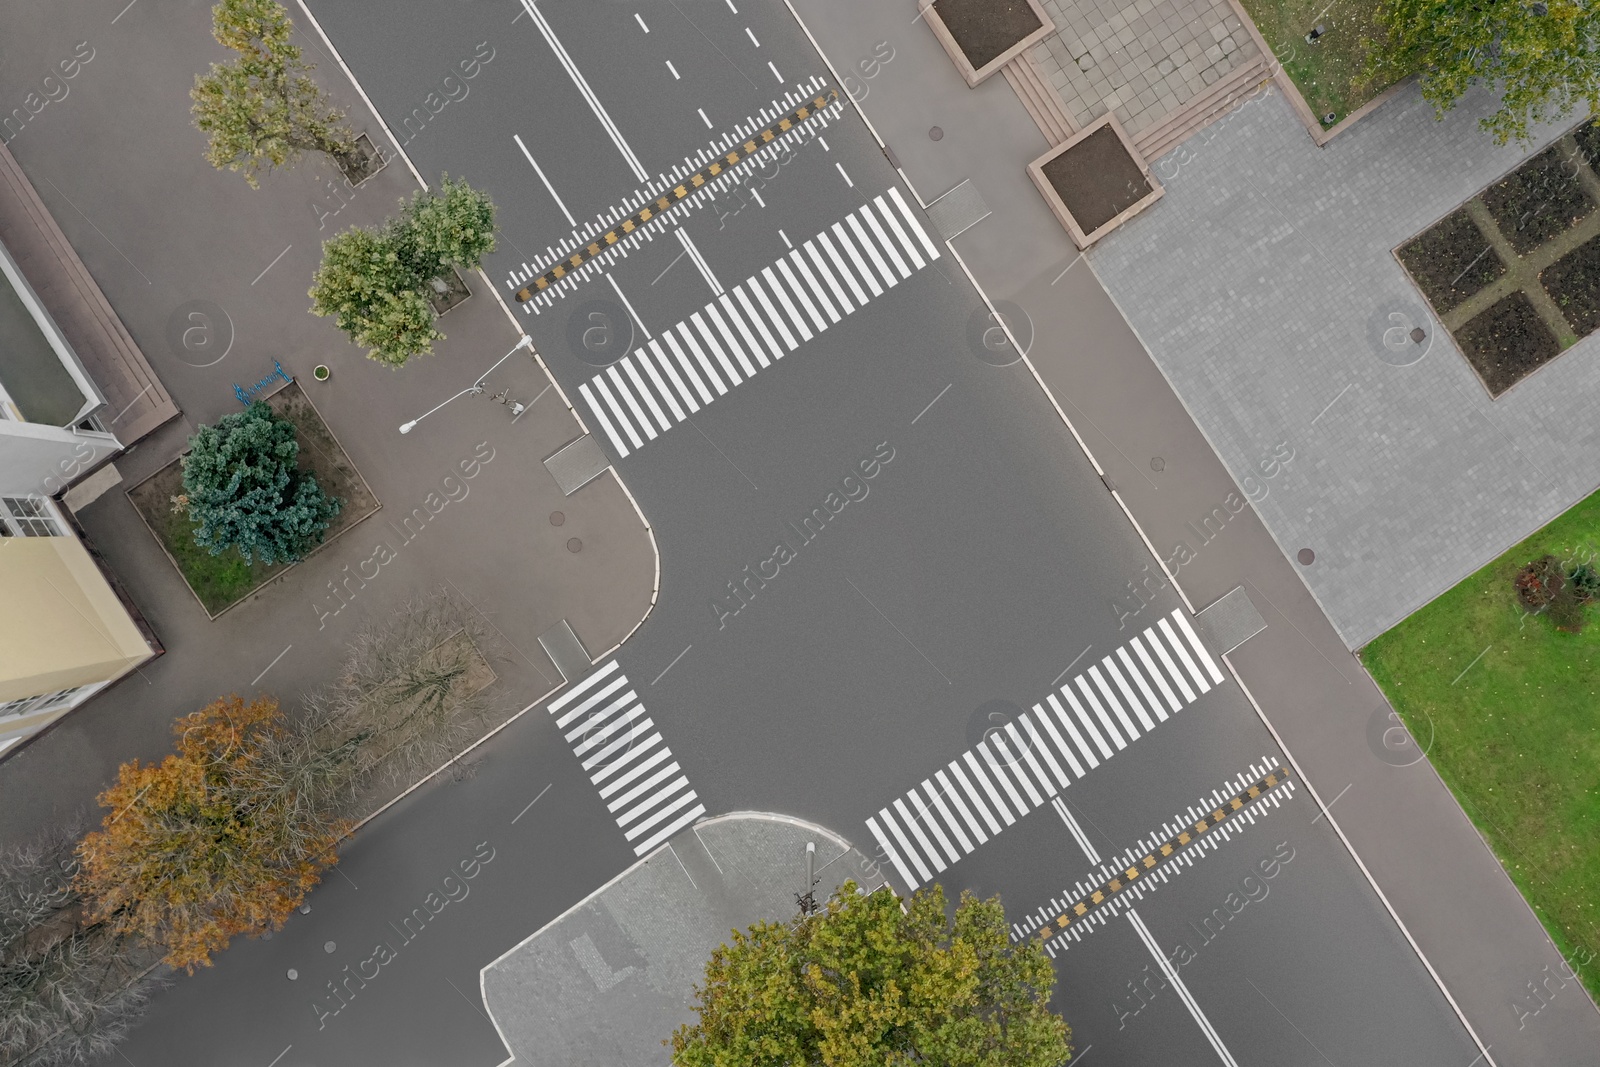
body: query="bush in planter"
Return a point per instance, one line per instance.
(377, 282)
(245, 491)
(1540, 57)
(262, 110)
(1584, 578)
(1539, 583)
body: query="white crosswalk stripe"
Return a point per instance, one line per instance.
(758, 322)
(617, 744)
(1025, 764)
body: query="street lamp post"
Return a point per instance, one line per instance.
(475, 387)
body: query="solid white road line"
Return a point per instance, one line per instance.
(1181, 989)
(548, 187)
(1076, 831)
(584, 90)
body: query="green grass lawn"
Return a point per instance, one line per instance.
(1328, 73)
(1517, 736)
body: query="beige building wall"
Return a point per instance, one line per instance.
(65, 627)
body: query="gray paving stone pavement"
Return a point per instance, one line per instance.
(610, 979)
(1262, 287)
(1424, 855)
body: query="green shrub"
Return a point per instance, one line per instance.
(245, 490)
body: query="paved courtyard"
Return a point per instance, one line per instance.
(1142, 59)
(1263, 285)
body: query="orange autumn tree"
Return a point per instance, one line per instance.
(223, 837)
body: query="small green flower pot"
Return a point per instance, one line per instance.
(321, 372)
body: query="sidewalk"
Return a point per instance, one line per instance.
(608, 981)
(1441, 880)
(210, 277)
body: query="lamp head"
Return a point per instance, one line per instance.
(408, 427)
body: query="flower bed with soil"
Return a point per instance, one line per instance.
(219, 582)
(984, 29)
(1514, 273)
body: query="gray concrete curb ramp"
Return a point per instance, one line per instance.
(612, 978)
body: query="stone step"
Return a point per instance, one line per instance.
(1038, 96)
(1201, 110)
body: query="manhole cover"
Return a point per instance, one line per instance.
(574, 545)
(1158, 464)
(936, 133)
(557, 518)
(1400, 332)
(1306, 557)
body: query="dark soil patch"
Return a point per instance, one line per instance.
(446, 292)
(1097, 179)
(1507, 342)
(1588, 137)
(222, 581)
(1573, 282)
(986, 28)
(1451, 261)
(1538, 200)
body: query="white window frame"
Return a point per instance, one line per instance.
(38, 517)
(13, 709)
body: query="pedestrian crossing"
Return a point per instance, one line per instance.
(1023, 765)
(758, 322)
(620, 749)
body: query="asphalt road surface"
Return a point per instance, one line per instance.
(960, 565)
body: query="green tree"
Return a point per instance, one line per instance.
(374, 295)
(244, 490)
(865, 984)
(1543, 55)
(262, 110)
(375, 282)
(224, 837)
(448, 229)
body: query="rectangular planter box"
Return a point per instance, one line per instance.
(974, 75)
(1080, 237)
